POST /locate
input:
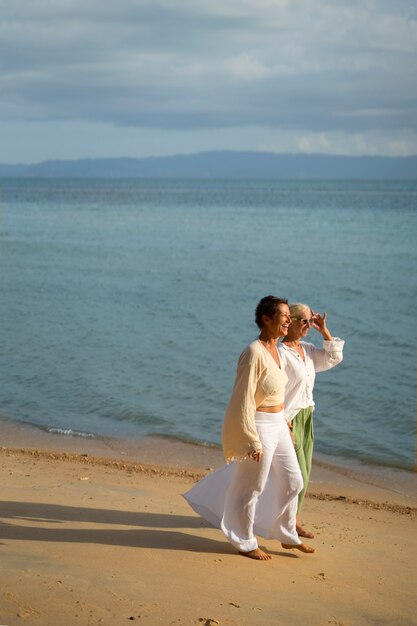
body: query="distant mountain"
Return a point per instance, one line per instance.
(225, 164)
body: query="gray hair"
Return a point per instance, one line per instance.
(297, 309)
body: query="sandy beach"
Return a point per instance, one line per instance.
(90, 535)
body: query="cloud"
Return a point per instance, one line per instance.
(314, 66)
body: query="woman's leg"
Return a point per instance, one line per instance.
(247, 484)
(302, 428)
(288, 483)
(304, 439)
(308, 445)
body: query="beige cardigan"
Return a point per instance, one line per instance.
(259, 382)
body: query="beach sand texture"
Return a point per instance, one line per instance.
(88, 540)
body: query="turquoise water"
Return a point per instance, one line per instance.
(125, 304)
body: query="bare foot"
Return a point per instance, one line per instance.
(298, 546)
(257, 554)
(302, 532)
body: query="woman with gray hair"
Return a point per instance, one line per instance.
(301, 361)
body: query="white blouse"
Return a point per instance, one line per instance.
(301, 374)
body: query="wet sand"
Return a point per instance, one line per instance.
(96, 532)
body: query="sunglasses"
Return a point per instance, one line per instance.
(304, 320)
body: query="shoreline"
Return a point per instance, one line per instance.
(363, 497)
(164, 455)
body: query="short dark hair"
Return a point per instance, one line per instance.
(267, 306)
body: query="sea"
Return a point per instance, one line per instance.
(126, 303)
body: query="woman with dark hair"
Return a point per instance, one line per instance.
(257, 491)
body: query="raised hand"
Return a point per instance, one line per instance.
(319, 323)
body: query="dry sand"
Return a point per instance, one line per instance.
(89, 540)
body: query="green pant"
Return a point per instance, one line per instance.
(303, 431)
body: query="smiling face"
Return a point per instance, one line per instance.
(301, 323)
(278, 324)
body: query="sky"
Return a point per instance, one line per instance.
(135, 78)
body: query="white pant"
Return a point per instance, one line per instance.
(248, 497)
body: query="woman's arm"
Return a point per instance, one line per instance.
(240, 437)
(332, 352)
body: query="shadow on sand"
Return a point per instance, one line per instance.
(151, 530)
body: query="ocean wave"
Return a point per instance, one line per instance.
(68, 432)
